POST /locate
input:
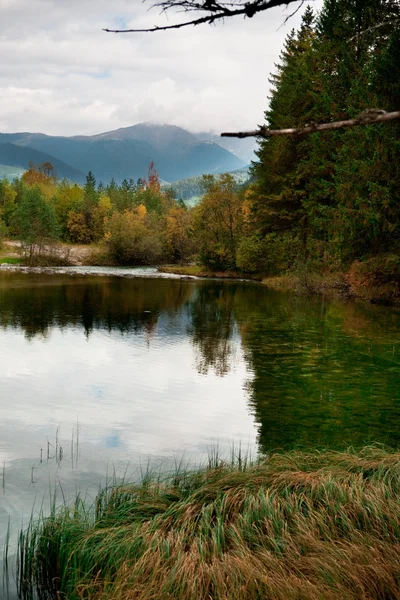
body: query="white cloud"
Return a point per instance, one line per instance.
(61, 74)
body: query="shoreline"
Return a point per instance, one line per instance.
(196, 272)
(94, 271)
(346, 286)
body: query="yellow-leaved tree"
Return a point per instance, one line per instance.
(130, 238)
(219, 222)
(100, 216)
(179, 233)
(68, 198)
(7, 203)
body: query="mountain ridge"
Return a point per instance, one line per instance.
(126, 152)
(13, 155)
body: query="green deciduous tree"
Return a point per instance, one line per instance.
(35, 223)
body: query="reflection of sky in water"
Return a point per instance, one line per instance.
(150, 394)
(113, 441)
(146, 371)
(96, 390)
(111, 403)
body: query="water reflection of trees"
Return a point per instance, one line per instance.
(212, 327)
(324, 373)
(319, 373)
(36, 303)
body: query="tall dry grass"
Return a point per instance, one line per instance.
(295, 526)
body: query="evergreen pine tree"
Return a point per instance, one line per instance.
(333, 196)
(278, 194)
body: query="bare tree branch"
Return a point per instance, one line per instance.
(300, 6)
(367, 117)
(215, 11)
(383, 24)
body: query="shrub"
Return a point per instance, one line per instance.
(131, 241)
(270, 254)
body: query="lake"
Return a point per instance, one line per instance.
(105, 375)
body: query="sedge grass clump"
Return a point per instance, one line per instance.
(294, 526)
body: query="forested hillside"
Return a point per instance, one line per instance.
(192, 189)
(20, 157)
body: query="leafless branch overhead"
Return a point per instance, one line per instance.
(373, 28)
(367, 117)
(214, 11)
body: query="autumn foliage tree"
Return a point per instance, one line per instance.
(219, 222)
(7, 202)
(43, 176)
(130, 238)
(179, 233)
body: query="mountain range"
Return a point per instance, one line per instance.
(126, 153)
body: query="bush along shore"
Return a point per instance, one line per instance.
(291, 526)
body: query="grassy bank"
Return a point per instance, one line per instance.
(293, 526)
(360, 282)
(199, 271)
(11, 260)
(374, 282)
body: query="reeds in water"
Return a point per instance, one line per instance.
(294, 526)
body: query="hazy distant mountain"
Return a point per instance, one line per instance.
(19, 157)
(242, 148)
(127, 152)
(164, 136)
(158, 136)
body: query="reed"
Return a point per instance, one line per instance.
(318, 525)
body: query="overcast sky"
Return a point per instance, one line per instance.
(60, 74)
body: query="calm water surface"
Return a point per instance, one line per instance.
(102, 374)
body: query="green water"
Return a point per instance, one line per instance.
(326, 373)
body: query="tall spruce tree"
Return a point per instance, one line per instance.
(278, 193)
(349, 200)
(334, 194)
